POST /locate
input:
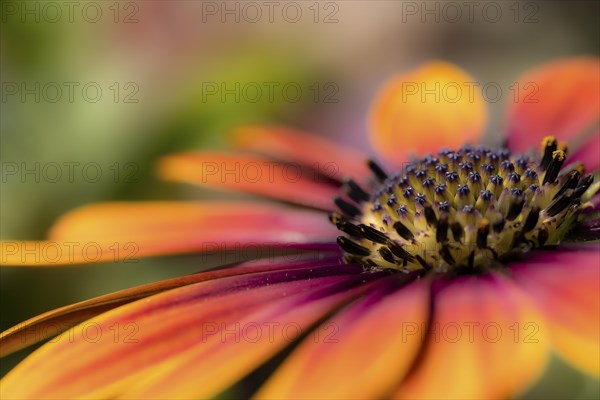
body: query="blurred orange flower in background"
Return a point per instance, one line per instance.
(493, 241)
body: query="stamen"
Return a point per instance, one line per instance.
(428, 182)
(570, 182)
(402, 210)
(420, 199)
(441, 170)
(451, 176)
(373, 234)
(377, 170)
(543, 236)
(403, 231)
(399, 252)
(430, 216)
(486, 195)
(488, 169)
(353, 248)
(349, 228)
(445, 253)
(584, 185)
(558, 158)
(454, 158)
(444, 206)
(355, 192)
(346, 207)
(423, 262)
(499, 225)
(560, 203)
(471, 259)
(392, 200)
(457, 231)
(513, 179)
(482, 233)
(441, 234)
(440, 192)
(515, 207)
(386, 254)
(531, 220)
(549, 146)
(506, 167)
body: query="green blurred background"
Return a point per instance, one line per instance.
(154, 62)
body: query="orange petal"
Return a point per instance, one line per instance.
(486, 342)
(250, 174)
(333, 160)
(57, 321)
(561, 98)
(362, 353)
(205, 371)
(152, 335)
(128, 231)
(565, 288)
(423, 110)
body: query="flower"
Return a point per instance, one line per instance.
(451, 278)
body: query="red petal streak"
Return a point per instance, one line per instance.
(332, 159)
(102, 355)
(55, 322)
(362, 353)
(566, 289)
(485, 342)
(204, 371)
(250, 174)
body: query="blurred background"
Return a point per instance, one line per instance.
(93, 92)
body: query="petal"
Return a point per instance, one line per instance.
(486, 341)
(202, 372)
(53, 323)
(425, 109)
(377, 337)
(561, 98)
(334, 160)
(99, 357)
(565, 287)
(588, 153)
(127, 231)
(250, 174)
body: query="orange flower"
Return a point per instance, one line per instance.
(454, 277)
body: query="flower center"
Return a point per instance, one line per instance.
(466, 209)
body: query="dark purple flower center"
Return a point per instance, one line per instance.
(468, 208)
